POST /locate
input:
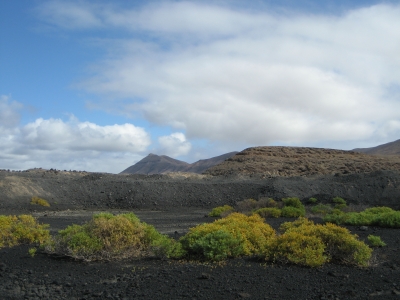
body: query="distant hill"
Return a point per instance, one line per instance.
(392, 148)
(161, 164)
(302, 161)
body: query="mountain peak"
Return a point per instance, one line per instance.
(156, 164)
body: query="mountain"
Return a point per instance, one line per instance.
(392, 148)
(155, 164)
(302, 161)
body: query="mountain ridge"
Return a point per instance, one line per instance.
(162, 164)
(391, 148)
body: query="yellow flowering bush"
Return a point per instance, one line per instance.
(15, 230)
(245, 235)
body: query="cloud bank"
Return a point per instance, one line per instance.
(251, 78)
(54, 143)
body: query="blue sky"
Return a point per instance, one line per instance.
(97, 85)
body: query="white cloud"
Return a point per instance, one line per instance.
(9, 115)
(174, 144)
(242, 77)
(70, 145)
(70, 15)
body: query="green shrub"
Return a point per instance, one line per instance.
(306, 243)
(268, 212)
(293, 212)
(378, 210)
(39, 201)
(312, 200)
(375, 241)
(292, 202)
(217, 211)
(32, 252)
(378, 216)
(217, 245)
(23, 229)
(252, 234)
(390, 219)
(322, 209)
(339, 200)
(111, 237)
(340, 206)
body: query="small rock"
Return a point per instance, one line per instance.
(363, 228)
(204, 276)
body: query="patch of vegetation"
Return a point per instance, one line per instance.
(39, 201)
(321, 209)
(303, 242)
(232, 236)
(376, 216)
(107, 236)
(340, 203)
(293, 208)
(217, 211)
(32, 252)
(312, 200)
(375, 241)
(268, 212)
(23, 229)
(300, 242)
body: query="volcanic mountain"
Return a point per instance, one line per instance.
(302, 161)
(392, 148)
(156, 164)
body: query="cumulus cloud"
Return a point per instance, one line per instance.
(54, 143)
(174, 144)
(245, 77)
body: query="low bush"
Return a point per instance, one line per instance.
(338, 200)
(292, 202)
(217, 211)
(303, 242)
(268, 212)
(232, 236)
(312, 200)
(321, 209)
(111, 237)
(375, 241)
(377, 216)
(39, 201)
(23, 229)
(293, 212)
(247, 205)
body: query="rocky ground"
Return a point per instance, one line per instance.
(173, 203)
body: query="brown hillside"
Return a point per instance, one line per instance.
(392, 148)
(301, 161)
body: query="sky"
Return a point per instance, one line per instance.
(98, 85)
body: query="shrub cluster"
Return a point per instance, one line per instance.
(232, 236)
(303, 242)
(267, 207)
(376, 216)
(16, 230)
(218, 211)
(111, 237)
(39, 201)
